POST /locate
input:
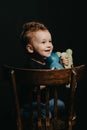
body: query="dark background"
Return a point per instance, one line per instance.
(62, 18)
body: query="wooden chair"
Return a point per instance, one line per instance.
(21, 77)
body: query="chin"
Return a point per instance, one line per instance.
(48, 55)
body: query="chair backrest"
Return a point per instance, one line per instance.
(36, 77)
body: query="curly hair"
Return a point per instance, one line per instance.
(28, 29)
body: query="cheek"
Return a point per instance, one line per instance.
(36, 47)
(52, 46)
(39, 49)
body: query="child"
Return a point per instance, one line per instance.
(37, 42)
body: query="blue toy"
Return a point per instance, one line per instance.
(54, 61)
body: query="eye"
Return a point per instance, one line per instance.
(50, 41)
(43, 42)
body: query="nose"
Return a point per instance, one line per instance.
(49, 44)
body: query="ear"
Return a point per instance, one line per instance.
(29, 48)
(58, 53)
(69, 51)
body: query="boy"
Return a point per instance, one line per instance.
(37, 42)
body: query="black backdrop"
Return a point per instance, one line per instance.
(57, 16)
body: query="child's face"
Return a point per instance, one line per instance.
(42, 43)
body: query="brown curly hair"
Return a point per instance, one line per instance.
(28, 29)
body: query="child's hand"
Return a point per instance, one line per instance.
(42, 87)
(64, 59)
